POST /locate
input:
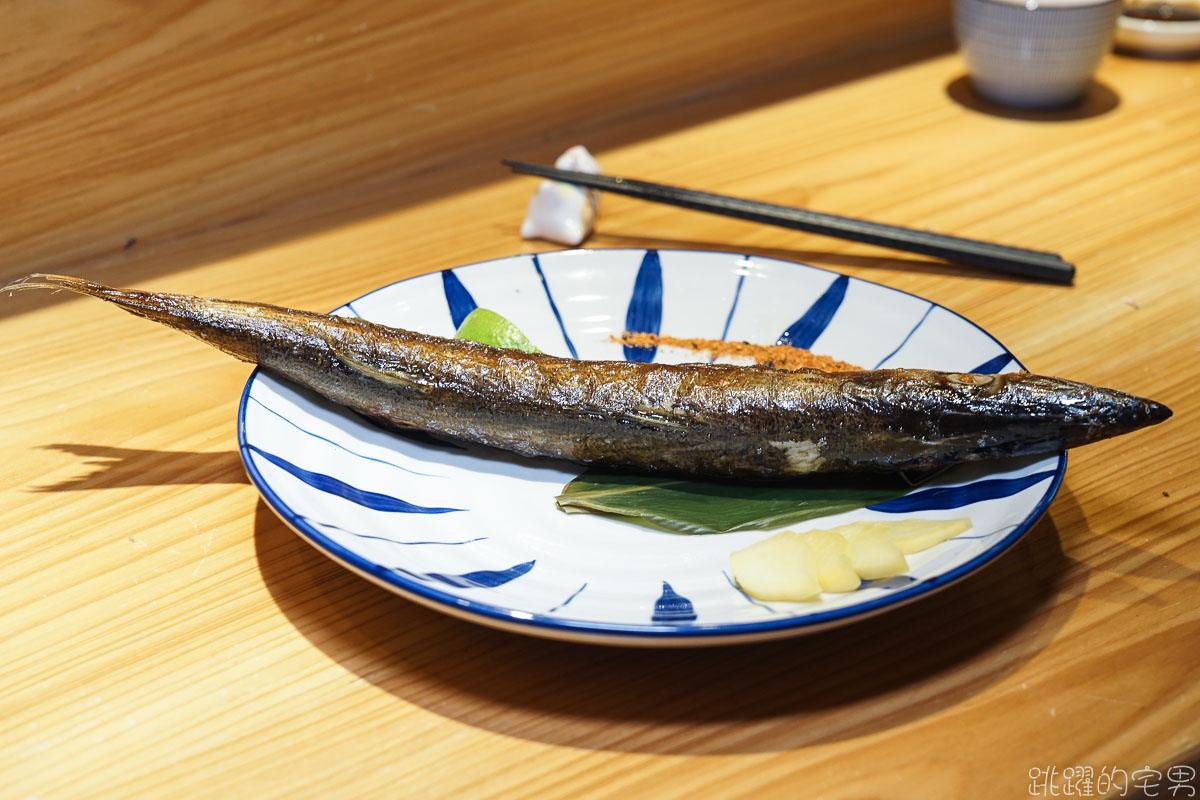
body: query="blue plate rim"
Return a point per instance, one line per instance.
(543, 625)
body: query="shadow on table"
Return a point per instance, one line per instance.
(1099, 100)
(860, 679)
(146, 247)
(114, 467)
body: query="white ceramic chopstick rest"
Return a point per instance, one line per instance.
(560, 212)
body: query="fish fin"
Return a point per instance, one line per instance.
(395, 378)
(654, 419)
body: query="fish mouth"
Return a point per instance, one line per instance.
(1129, 413)
(1113, 414)
(1156, 412)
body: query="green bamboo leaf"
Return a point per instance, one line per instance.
(692, 507)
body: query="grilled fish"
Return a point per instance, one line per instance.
(700, 419)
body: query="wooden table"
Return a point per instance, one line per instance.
(165, 635)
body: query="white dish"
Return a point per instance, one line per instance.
(1172, 38)
(475, 533)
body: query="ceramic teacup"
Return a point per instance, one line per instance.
(1034, 53)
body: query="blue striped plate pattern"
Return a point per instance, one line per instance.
(475, 533)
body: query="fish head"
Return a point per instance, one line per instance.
(1022, 407)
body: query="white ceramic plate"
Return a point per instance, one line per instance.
(1164, 38)
(474, 532)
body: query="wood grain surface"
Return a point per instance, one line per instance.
(163, 634)
(169, 126)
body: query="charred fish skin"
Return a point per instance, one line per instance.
(707, 420)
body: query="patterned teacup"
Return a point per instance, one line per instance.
(1034, 53)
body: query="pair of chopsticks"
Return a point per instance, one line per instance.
(1012, 260)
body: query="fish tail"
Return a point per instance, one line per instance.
(43, 280)
(242, 330)
(131, 300)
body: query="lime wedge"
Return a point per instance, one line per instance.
(487, 327)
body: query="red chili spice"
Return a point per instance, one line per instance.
(778, 356)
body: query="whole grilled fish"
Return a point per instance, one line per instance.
(701, 419)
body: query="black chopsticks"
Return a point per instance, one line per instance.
(1013, 260)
